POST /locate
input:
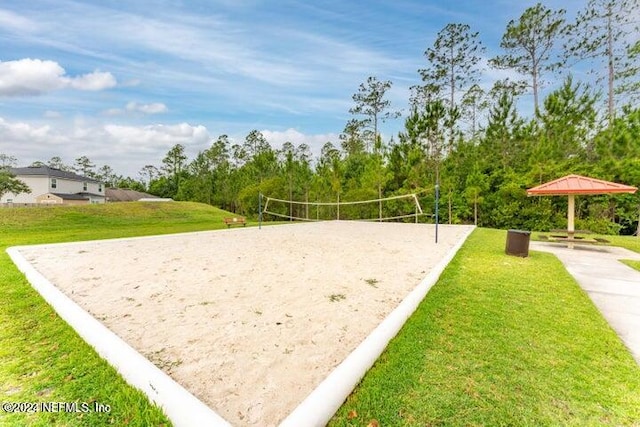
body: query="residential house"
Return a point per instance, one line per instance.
(55, 186)
(126, 195)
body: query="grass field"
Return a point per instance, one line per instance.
(498, 341)
(629, 242)
(632, 263)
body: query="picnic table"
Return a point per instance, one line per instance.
(573, 236)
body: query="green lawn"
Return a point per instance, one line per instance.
(632, 263)
(500, 340)
(42, 358)
(629, 242)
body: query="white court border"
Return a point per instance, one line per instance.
(182, 407)
(323, 402)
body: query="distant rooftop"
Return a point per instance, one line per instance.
(64, 196)
(51, 173)
(126, 195)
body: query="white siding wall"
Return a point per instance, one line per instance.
(38, 185)
(96, 188)
(66, 186)
(41, 185)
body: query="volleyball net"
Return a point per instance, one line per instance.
(403, 208)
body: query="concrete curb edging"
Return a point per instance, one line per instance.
(323, 402)
(183, 408)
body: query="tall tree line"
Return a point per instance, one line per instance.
(470, 137)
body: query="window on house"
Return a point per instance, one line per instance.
(84, 186)
(54, 183)
(100, 188)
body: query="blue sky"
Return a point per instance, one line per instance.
(122, 82)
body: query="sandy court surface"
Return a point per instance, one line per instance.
(249, 321)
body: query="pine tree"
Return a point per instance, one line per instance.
(529, 45)
(602, 34)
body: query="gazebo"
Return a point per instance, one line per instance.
(572, 185)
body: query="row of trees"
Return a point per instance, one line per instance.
(474, 143)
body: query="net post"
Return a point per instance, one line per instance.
(437, 203)
(259, 211)
(290, 210)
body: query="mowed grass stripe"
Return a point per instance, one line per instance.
(633, 264)
(500, 340)
(42, 359)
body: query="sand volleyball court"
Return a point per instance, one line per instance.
(248, 320)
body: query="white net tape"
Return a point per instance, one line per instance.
(393, 208)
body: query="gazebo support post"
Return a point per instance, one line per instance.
(570, 220)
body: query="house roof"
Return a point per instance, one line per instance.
(125, 195)
(51, 173)
(577, 184)
(88, 194)
(65, 196)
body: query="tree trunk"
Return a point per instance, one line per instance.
(306, 203)
(475, 210)
(290, 199)
(375, 134)
(611, 65)
(450, 201)
(379, 202)
(535, 90)
(473, 120)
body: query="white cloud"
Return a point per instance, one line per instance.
(36, 77)
(154, 108)
(277, 138)
(50, 114)
(221, 44)
(95, 81)
(20, 132)
(29, 77)
(125, 148)
(13, 21)
(134, 107)
(153, 136)
(112, 112)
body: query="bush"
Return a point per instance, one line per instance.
(598, 226)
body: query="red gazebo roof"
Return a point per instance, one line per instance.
(577, 184)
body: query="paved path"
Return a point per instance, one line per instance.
(613, 286)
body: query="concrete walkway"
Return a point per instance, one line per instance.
(613, 286)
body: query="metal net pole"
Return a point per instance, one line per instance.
(259, 211)
(437, 203)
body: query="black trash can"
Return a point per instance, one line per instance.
(518, 243)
